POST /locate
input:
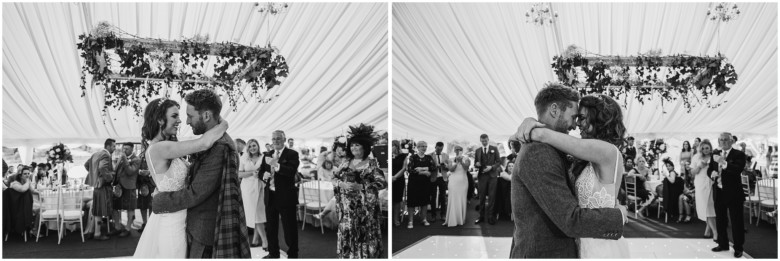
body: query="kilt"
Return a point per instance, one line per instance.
(102, 201)
(128, 201)
(144, 202)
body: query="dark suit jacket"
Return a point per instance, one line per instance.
(284, 179)
(731, 178)
(127, 171)
(546, 211)
(201, 196)
(492, 158)
(100, 169)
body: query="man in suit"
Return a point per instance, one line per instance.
(127, 176)
(629, 151)
(488, 162)
(279, 172)
(439, 182)
(546, 212)
(729, 195)
(206, 177)
(100, 175)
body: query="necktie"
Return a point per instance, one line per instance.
(438, 157)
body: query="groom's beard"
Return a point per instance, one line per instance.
(561, 126)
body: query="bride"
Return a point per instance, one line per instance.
(599, 168)
(164, 235)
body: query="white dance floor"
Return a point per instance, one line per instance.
(477, 247)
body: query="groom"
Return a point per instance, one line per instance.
(546, 212)
(212, 197)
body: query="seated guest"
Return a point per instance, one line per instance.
(20, 200)
(685, 200)
(325, 172)
(640, 172)
(673, 186)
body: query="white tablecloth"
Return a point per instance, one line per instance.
(325, 189)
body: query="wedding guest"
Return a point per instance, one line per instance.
(457, 186)
(488, 162)
(686, 153)
(127, 177)
(628, 165)
(325, 172)
(514, 147)
(503, 207)
(729, 195)
(420, 168)
(685, 201)
(358, 183)
(701, 164)
(696, 143)
(21, 203)
(253, 200)
(641, 172)
(100, 175)
(146, 186)
(399, 181)
(240, 145)
(282, 196)
(629, 151)
(439, 182)
(268, 148)
(673, 186)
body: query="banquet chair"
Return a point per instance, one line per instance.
(751, 199)
(71, 212)
(768, 199)
(50, 205)
(660, 203)
(631, 193)
(312, 202)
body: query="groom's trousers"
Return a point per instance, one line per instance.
(487, 188)
(289, 224)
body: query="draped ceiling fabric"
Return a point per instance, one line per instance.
(463, 69)
(337, 53)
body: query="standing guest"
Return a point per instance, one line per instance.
(268, 148)
(729, 195)
(279, 172)
(358, 183)
(399, 181)
(253, 200)
(504, 184)
(420, 168)
(488, 162)
(439, 182)
(696, 143)
(673, 186)
(240, 145)
(458, 184)
(686, 153)
(514, 147)
(701, 164)
(100, 175)
(629, 151)
(145, 185)
(127, 176)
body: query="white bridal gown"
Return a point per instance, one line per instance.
(164, 235)
(593, 194)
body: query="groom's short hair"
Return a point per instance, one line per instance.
(554, 93)
(205, 100)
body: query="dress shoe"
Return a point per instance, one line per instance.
(718, 249)
(479, 220)
(270, 257)
(124, 233)
(737, 254)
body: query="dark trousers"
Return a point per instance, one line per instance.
(289, 224)
(441, 204)
(487, 188)
(725, 210)
(196, 250)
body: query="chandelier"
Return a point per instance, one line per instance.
(272, 8)
(540, 13)
(722, 12)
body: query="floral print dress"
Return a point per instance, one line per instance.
(359, 232)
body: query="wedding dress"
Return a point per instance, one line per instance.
(456, 201)
(164, 235)
(592, 194)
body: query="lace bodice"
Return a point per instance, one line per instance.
(591, 193)
(171, 180)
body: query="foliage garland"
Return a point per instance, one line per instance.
(235, 66)
(686, 77)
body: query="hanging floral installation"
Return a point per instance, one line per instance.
(133, 69)
(693, 79)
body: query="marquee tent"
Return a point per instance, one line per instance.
(337, 53)
(463, 69)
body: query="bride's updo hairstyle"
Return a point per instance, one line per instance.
(153, 114)
(606, 118)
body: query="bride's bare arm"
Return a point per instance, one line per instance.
(601, 153)
(172, 150)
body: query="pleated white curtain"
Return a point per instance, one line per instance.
(337, 53)
(462, 69)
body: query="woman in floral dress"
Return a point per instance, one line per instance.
(358, 182)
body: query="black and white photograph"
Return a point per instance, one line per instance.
(195, 130)
(584, 130)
